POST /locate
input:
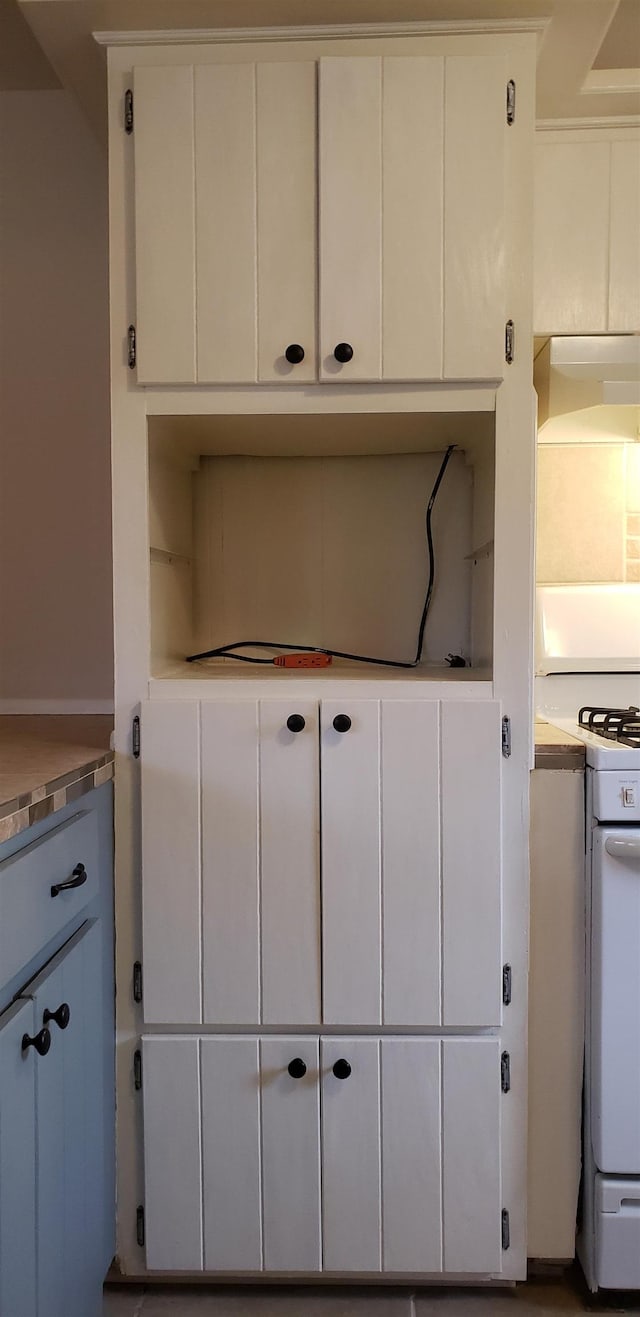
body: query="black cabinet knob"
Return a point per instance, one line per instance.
(297, 1068)
(343, 352)
(342, 722)
(295, 722)
(61, 1016)
(342, 1069)
(294, 354)
(41, 1041)
(78, 877)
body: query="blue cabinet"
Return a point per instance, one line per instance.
(57, 1091)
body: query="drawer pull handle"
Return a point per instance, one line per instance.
(78, 877)
(342, 722)
(41, 1041)
(343, 352)
(297, 1068)
(61, 1016)
(295, 722)
(294, 354)
(342, 1069)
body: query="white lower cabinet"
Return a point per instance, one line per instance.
(343, 1154)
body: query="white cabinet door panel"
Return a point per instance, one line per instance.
(412, 165)
(290, 864)
(351, 1216)
(18, 1161)
(410, 862)
(571, 237)
(230, 872)
(411, 1164)
(624, 240)
(173, 1176)
(290, 1155)
(474, 239)
(231, 1154)
(287, 193)
(350, 215)
(165, 225)
(351, 916)
(471, 1155)
(226, 265)
(471, 863)
(171, 862)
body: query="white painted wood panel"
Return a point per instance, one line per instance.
(474, 238)
(471, 863)
(164, 225)
(624, 264)
(172, 1154)
(411, 1165)
(571, 237)
(289, 863)
(18, 1294)
(230, 860)
(350, 211)
(351, 1216)
(286, 218)
(171, 862)
(226, 261)
(412, 183)
(471, 1155)
(410, 754)
(231, 1179)
(290, 1155)
(351, 919)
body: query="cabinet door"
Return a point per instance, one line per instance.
(18, 1162)
(571, 237)
(70, 1101)
(411, 242)
(231, 885)
(351, 1210)
(225, 222)
(624, 262)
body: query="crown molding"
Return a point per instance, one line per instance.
(320, 32)
(604, 121)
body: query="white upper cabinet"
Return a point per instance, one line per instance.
(339, 219)
(587, 221)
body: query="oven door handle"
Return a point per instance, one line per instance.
(623, 848)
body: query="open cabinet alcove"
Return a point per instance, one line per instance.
(310, 530)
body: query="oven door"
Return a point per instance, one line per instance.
(615, 999)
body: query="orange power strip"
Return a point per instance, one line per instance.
(302, 660)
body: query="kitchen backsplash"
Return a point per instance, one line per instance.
(588, 525)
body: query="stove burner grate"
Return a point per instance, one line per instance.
(622, 725)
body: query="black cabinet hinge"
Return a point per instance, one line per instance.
(135, 737)
(505, 1072)
(131, 347)
(506, 985)
(128, 111)
(140, 1226)
(137, 1070)
(137, 981)
(506, 1235)
(506, 737)
(509, 342)
(511, 101)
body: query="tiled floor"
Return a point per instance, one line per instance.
(537, 1299)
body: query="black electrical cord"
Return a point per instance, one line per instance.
(227, 651)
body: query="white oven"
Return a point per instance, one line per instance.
(574, 623)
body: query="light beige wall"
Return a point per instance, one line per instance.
(55, 545)
(588, 512)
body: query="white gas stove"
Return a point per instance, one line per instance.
(597, 700)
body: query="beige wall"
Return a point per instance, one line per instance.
(55, 547)
(588, 512)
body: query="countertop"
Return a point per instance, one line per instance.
(47, 761)
(557, 749)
